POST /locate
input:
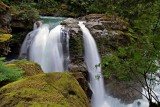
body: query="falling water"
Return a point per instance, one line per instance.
(53, 57)
(92, 59)
(37, 47)
(48, 48)
(51, 50)
(100, 97)
(65, 45)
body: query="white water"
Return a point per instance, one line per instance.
(51, 50)
(53, 57)
(46, 48)
(37, 48)
(92, 59)
(100, 97)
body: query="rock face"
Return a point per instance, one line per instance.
(51, 90)
(126, 91)
(5, 28)
(5, 18)
(109, 32)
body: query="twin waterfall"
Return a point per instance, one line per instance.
(50, 48)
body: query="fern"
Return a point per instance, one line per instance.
(8, 74)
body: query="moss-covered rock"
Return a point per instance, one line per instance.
(29, 68)
(44, 90)
(5, 37)
(4, 44)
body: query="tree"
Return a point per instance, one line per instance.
(137, 61)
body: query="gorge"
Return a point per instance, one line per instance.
(50, 49)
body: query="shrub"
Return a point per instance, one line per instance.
(8, 74)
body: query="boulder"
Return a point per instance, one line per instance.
(29, 68)
(126, 91)
(51, 90)
(81, 75)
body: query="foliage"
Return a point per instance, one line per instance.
(26, 11)
(137, 61)
(8, 74)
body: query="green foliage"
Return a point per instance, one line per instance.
(8, 74)
(137, 61)
(26, 11)
(131, 61)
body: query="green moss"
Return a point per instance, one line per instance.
(30, 68)
(76, 47)
(44, 90)
(5, 37)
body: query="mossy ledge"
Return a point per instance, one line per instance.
(44, 90)
(29, 68)
(5, 37)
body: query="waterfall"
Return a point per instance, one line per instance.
(65, 45)
(100, 97)
(92, 59)
(50, 49)
(37, 47)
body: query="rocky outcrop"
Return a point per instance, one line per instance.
(126, 91)
(5, 29)
(81, 75)
(109, 32)
(5, 18)
(51, 90)
(29, 68)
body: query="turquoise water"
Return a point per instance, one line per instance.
(52, 21)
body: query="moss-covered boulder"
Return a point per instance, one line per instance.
(4, 44)
(44, 90)
(29, 68)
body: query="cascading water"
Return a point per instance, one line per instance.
(37, 47)
(92, 59)
(65, 45)
(47, 48)
(53, 57)
(51, 50)
(100, 97)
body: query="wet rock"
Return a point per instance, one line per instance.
(81, 74)
(109, 32)
(127, 92)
